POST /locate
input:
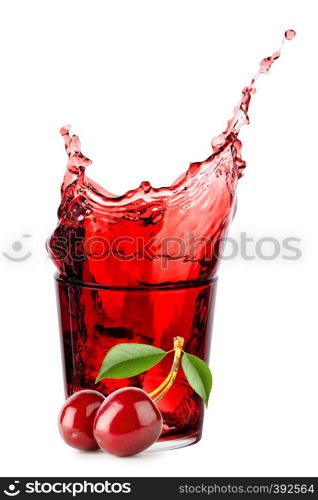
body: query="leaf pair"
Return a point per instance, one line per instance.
(128, 360)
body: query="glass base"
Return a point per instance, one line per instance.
(173, 444)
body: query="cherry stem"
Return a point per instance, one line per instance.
(167, 383)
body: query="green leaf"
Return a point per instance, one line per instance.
(127, 360)
(198, 374)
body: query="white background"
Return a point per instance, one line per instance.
(146, 85)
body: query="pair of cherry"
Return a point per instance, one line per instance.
(125, 423)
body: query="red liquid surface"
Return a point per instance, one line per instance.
(157, 250)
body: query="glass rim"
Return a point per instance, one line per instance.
(143, 288)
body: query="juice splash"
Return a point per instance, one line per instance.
(141, 267)
(152, 236)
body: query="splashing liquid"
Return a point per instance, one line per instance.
(152, 236)
(141, 267)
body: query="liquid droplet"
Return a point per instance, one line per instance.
(290, 34)
(145, 186)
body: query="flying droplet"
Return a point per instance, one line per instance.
(290, 34)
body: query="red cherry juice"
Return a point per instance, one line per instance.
(141, 267)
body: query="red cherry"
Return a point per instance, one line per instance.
(76, 419)
(127, 423)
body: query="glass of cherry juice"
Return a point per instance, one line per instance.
(95, 318)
